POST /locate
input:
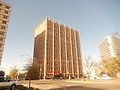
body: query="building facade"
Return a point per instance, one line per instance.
(57, 50)
(110, 46)
(4, 20)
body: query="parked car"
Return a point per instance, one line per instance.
(106, 78)
(6, 83)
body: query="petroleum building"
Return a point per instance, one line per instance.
(57, 50)
(4, 20)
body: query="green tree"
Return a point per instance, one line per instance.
(14, 73)
(111, 66)
(22, 75)
(32, 71)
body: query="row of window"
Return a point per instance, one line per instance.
(49, 28)
(49, 54)
(56, 34)
(1, 51)
(48, 63)
(1, 5)
(3, 27)
(57, 42)
(3, 16)
(50, 41)
(50, 36)
(50, 24)
(50, 44)
(4, 11)
(1, 45)
(49, 49)
(63, 60)
(56, 63)
(48, 58)
(56, 28)
(2, 33)
(4, 22)
(56, 50)
(56, 38)
(1, 39)
(56, 55)
(49, 68)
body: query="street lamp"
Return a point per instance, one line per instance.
(20, 63)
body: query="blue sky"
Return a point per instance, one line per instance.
(94, 18)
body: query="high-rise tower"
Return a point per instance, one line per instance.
(4, 20)
(57, 50)
(110, 46)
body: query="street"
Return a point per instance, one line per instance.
(74, 84)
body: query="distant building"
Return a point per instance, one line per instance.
(57, 50)
(110, 46)
(4, 20)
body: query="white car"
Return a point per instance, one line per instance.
(6, 83)
(106, 78)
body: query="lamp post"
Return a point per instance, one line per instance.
(20, 63)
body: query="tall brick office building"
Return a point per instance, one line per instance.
(57, 50)
(4, 20)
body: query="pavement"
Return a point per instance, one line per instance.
(73, 84)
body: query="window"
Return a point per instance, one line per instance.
(1, 33)
(7, 7)
(3, 27)
(6, 12)
(5, 22)
(0, 4)
(1, 39)
(5, 17)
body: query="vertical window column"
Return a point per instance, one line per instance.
(53, 51)
(60, 49)
(76, 53)
(71, 54)
(45, 58)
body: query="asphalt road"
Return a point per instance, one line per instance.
(75, 85)
(103, 85)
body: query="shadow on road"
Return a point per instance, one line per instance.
(21, 87)
(77, 88)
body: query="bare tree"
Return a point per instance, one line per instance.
(91, 65)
